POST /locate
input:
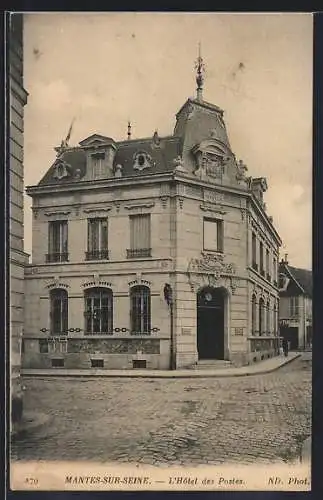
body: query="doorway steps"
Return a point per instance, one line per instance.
(212, 364)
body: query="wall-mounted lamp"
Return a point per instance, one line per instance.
(168, 294)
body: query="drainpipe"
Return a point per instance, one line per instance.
(168, 295)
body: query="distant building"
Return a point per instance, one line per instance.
(154, 252)
(18, 258)
(295, 309)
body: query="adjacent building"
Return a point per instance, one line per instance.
(154, 252)
(18, 258)
(295, 309)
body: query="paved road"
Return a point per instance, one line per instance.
(263, 418)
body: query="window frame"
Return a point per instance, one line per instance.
(140, 298)
(57, 253)
(101, 250)
(219, 234)
(94, 315)
(62, 311)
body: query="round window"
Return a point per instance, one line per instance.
(141, 159)
(208, 297)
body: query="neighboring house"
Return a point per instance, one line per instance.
(295, 308)
(121, 226)
(18, 258)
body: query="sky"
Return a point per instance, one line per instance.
(105, 69)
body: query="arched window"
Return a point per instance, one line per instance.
(261, 316)
(268, 318)
(98, 311)
(253, 315)
(140, 310)
(58, 311)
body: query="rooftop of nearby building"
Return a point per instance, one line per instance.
(302, 278)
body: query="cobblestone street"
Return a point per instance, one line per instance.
(262, 418)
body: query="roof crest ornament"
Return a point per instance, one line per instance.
(64, 144)
(200, 67)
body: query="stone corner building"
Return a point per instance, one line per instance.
(153, 252)
(18, 258)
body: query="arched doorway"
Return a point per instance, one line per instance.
(210, 323)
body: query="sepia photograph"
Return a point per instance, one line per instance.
(160, 241)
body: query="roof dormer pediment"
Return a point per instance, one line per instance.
(97, 140)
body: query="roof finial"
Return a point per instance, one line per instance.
(199, 66)
(129, 130)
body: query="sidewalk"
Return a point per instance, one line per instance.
(267, 366)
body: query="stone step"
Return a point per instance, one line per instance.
(212, 364)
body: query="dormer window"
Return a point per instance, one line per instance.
(97, 163)
(61, 170)
(142, 160)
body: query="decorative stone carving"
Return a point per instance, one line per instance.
(211, 208)
(56, 282)
(178, 163)
(142, 160)
(77, 174)
(96, 209)
(156, 139)
(211, 270)
(181, 202)
(163, 200)
(242, 169)
(118, 171)
(139, 281)
(96, 282)
(140, 205)
(210, 164)
(57, 213)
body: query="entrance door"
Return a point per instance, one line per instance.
(210, 323)
(291, 334)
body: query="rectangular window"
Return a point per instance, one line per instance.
(57, 241)
(275, 271)
(97, 241)
(57, 363)
(140, 238)
(293, 307)
(254, 252)
(267, 265)
(261, 258)
(97, 363)
(213, 235)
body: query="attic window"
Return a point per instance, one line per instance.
(97, 161)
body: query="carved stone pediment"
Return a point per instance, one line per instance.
(211, 159)
(210, 269)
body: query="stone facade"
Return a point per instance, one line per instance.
(18, 258)
(183, 183)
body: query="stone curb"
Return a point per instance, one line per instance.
(225, 372)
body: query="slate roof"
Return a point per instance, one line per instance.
(75, 158)
(304, 278)
(163, 154)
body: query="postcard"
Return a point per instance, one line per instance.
(160, 251)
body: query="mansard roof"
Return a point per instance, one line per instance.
(74, 160)
(160, 155)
